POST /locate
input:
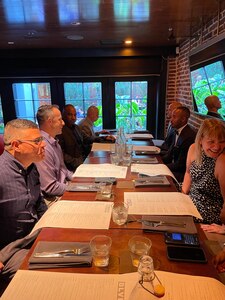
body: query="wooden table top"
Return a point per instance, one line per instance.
(120, 261)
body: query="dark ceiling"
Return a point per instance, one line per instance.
(101, 23)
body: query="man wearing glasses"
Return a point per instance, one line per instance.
(21, 202)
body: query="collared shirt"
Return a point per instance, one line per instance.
(215, 114)
(53, 172)
(21, 202)
(86, 126)
(178, 132)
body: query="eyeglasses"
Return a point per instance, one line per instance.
(36, 141)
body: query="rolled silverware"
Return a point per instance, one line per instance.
(62, 253)
(158, 223)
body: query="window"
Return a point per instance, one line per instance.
(82, 95)
(28, 97)
(131, 104)
(208, 80)
(1, 118)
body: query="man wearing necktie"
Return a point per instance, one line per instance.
(74, 145)
(183, 137)
(170, 130)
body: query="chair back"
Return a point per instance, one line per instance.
(1, 144)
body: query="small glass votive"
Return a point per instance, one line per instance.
(129, 149)
(115, 160)
(100, 247)
(106, 189)
(119, 213)
(112, 149)
(127, 159)
(138, 246)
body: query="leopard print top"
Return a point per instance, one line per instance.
(205, 190)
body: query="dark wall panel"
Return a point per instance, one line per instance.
(79, 66)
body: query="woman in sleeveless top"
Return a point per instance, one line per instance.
(205, 172)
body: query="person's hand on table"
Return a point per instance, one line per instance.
(219, 261)
(214, 228)
(1, 266)
(110, 138)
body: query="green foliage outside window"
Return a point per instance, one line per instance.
(82, 95)
(131, 102)
(1, 118)
(131, 105)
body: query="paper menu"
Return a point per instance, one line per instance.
(100, 170)
(77, 214)
(160, 203)
(102, 147)
(36, 285)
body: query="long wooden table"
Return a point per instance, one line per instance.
(120, 261)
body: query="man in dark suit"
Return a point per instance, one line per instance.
(170, 130)
(74, 146)
(183, 137)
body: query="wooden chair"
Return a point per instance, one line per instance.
(1, 144)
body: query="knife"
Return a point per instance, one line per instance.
(55, 255)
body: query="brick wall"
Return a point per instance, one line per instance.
(178, 81)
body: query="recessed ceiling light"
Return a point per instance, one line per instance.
(75, 23)
(128, 42)
(75, 37)
(10, 43)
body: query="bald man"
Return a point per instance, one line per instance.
(213, 104)
(87, 127)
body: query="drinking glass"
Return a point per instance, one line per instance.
(127, 159)
(100, 247)
(138, 246)
(115, 160)
(106, 189)
(119, 213)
